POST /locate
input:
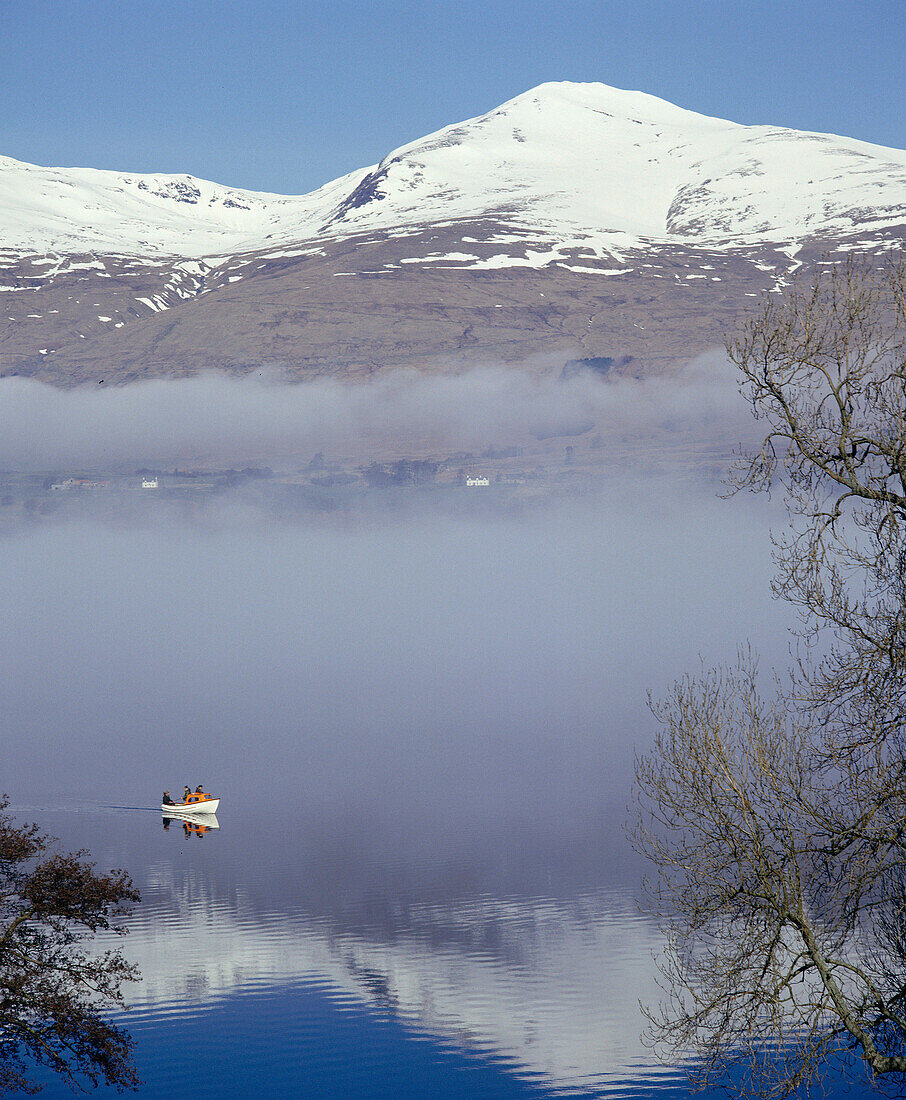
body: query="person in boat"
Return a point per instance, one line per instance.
(186, 793)
(168, 801)
(199, 789)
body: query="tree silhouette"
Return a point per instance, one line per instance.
(52, 990)
(777, 827)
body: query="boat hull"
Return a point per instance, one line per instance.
(206, 806)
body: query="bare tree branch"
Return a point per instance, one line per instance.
(775, 829)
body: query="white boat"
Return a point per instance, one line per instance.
(205, 805)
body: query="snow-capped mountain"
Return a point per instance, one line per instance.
(576, 160)
(593, 162)
(573, 182)
(80, 210)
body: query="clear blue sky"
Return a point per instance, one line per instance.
(284, 95)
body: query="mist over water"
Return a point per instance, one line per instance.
(421, 719)
(218, 419)
(426, 674)
(453, 655)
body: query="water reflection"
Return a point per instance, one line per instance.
(445, 711)
(549, 986)
(309, 960)
(192, 824)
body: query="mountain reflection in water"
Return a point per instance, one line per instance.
(551, 986)
(388, 977)
(541, 988)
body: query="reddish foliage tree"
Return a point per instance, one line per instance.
(52, 990)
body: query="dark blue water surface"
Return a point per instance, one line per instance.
(337, 966)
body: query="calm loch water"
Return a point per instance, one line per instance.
(329, 970)
(330, 967)
(422, 732)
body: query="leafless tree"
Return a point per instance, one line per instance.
(824, 364)
(777, 829)
(777, 953)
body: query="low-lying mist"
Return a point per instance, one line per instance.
(472, 664)
(451, 667)
(218, 420)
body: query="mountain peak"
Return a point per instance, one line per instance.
(620, 102)
(570, 161)
(574, 218)
(622, 166)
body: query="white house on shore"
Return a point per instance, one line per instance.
(478, 481)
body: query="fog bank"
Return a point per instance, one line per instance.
(459, 665)
(218, 420)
